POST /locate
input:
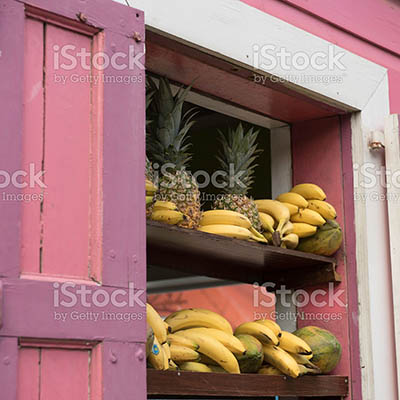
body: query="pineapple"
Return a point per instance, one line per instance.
(239, 152)
(167, 145)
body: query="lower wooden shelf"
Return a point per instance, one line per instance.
(179, 384)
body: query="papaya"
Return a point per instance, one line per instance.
(325, 242)
(252, 359)
(325, 347)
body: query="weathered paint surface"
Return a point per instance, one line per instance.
(91, 222)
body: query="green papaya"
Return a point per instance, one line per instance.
(251, 361)
(326, 241)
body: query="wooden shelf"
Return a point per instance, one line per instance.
(198, 253)
(196, 384)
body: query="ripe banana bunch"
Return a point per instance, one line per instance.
(309, 191)
(213, 349)
(281, 360)
(276, 209)
(232, 231)
(260, 331)
(197, 317)
(294, 344)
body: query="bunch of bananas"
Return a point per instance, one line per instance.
(229, 223)
(201, 340)
(167, 212)
(294, 215)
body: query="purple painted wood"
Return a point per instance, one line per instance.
(122, 116)
(11, 117)
(350, 256)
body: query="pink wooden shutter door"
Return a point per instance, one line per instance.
(72, 271)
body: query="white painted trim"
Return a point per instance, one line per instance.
(229, 29)
(392, 156)
(373, 262)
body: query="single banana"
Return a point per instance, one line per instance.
(309, 191)
(269, 370)
(294, 344)
(177, 340)
(291, 241)
(293, 198)
(271, 325)
(264, 334)
(303, 230)
(156, 356)
(232, 231)
(164, 205)
(267, 222)
(276, 209)
(288, 228)
(231, 342)
(224, 217)
(306, 370)
(157, 324)
(213, 349)
(168, 216)
(197, 317)
(167, 355)
(326, 210)
(181, 354)
(281, 360)
(257, 236)
(292, 208)
(195, 367)
(309, 217)
(150, 187)
(149, 200)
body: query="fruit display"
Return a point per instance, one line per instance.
(167, 144)
(326, 349)
(239, 152)
(200, 340)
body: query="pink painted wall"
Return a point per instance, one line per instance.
(369, 28)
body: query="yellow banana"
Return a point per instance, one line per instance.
(276, 209)
(257, 236)
(291, 207)
(326, 210)
(281, 360)
(177, 340)
(197, 317)
(294, 344)
(303, 230)
(232, 231)
(267, 222)
(181, 354)
(291, 241)
(157, 324)
(293, 198)
(213, 349)
(309, 191)
(164, 205)
(259, 331)
(269, 370)
(150, 187)
(156, 356)
(231, 342)
(172, 366)
(168, 216)
(309, 217)
(167, 355)
(271, 325)
(224, 217)
(149, 200)
(195, 367)
(288, 228)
